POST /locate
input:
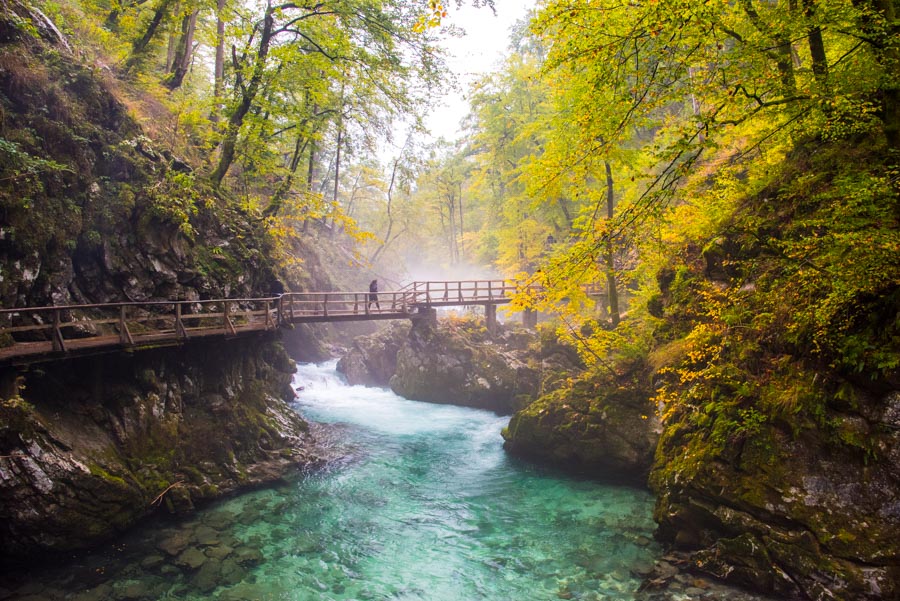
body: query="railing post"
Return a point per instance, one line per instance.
(124, 334)
(356, 303)
(279, 309)
(490, 318)
(58, 343)
(459, 290)
(325, 305)
(269, 323)
(226, 319)
(180, 331)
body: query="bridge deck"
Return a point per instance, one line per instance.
(32, 334)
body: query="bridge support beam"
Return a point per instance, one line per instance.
(529, 318)
(490, 318)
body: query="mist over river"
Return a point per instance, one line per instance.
(425, 505)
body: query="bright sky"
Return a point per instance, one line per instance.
(480, 51)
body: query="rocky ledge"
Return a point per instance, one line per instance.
(458, 362)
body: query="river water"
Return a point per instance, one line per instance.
(426, 506)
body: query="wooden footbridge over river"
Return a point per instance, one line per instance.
(34, 334)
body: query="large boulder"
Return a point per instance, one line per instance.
(457, 361)
(601, 424)
(463, 366)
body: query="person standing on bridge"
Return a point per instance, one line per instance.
(373, 295)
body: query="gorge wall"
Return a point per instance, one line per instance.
(92, 445)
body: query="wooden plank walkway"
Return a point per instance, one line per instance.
(34, 334)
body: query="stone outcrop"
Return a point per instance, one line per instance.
(602, 424)
(372, 359)
(96, 444)
(457, 362)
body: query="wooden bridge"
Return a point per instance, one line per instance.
(33, 334)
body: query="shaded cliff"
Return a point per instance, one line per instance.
(93, 445)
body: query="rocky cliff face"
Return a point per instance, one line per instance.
(799, 514)
(92, 210)
(95, 444)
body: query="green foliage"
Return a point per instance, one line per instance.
(174, 199)
(24, 172)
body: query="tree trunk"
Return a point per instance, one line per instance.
(390, 216)
(781, 52)
(613, 295)
(816, 45)
(248, 95)
(219, 70)
(184, 52)
(462, 232)
(139, 46)
(337, 174)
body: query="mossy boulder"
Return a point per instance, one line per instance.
(459, 363)
(601, 424)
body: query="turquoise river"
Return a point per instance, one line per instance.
(426, 506)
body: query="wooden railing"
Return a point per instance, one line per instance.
(463, 292)
(33, 333)
(63, 328)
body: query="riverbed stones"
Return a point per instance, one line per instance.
(191, 558)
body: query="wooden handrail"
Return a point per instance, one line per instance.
(59, 329)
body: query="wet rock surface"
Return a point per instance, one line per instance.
(153, 432)
(192, 557)
(602, 425)
(794, 516)
(372, 359)
(458, 362)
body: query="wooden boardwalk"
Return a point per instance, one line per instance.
(33, 334)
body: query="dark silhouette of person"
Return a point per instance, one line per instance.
(373, 295)
(276, 288)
